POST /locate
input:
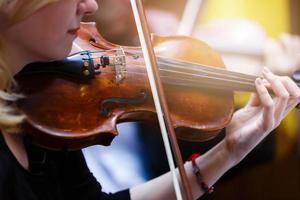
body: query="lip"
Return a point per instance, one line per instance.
(73, 31)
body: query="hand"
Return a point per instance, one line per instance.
(261, 115)
(282, 56)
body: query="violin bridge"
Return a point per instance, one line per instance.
(118, 62)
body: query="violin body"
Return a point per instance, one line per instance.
(66, 113)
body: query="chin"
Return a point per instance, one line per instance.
(58, 54)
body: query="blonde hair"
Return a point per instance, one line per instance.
(10, 119)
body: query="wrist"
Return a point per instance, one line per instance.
(238, 147)
(216, 162)
(228, 154)
(236, 151)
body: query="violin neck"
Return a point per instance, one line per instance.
(190, 74)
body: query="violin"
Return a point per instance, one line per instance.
(78, 102)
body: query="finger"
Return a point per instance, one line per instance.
(267, 103)
(266, 83)
(294, 92)
(291, 87)
(289, 107)
(243, 116)
(282, 95)
(253, 100)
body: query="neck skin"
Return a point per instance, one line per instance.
(15, 56)
(16, 146)
(15, 60)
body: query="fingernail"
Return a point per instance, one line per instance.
(259, 80)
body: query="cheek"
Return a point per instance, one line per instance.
(57, 45)
(47, 42)
(44, 35)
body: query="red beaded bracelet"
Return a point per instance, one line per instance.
(199, 175)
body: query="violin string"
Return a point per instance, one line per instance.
(201, 72)
(205, 72)
(101, 51)
(170, 62)
(187, 79)
(228, 74)
(179, 78)
(212, 79)
(204, 83)
(200, 68)
(196, 66)
(204, 68)
(219, 74)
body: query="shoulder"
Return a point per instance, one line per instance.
(6, 161)
(6, 172)
(6, 166)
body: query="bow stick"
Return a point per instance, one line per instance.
(160, 101)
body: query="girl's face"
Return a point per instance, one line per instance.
(49, 32)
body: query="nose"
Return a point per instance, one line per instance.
(86, 7)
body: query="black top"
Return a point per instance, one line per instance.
(52, 176)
